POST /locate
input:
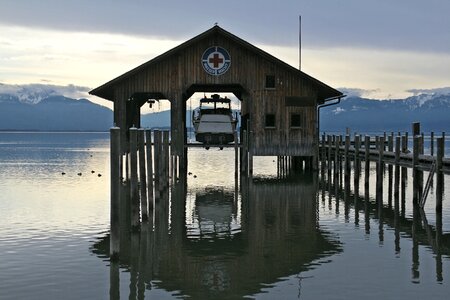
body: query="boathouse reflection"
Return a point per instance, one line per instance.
(215, 242)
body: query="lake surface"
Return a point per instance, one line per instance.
(212, 236)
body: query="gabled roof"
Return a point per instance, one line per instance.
(106, 90)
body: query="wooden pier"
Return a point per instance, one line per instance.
(391, 151)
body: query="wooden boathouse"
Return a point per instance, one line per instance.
(279, 103)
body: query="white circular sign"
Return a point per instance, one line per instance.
(216, 60)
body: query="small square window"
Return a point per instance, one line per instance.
(270, 120)
(296, 120)
(270, 82)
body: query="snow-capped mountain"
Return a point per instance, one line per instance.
(359, 114)
(35, 93)
(42, 110)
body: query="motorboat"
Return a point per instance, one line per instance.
(213, 121)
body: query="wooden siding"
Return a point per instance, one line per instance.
(173, 75)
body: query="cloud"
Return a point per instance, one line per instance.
(436, 91)
(423, 26)
(355, 92)
(44, 90)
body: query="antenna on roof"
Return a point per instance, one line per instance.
(300, 42)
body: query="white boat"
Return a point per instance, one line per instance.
(213, 121)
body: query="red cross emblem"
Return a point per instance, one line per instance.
(216, 60)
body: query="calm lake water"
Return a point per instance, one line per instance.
(214, 237)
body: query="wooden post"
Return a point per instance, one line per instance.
(381, 150)
(149, 170)
(439, 174)
(397, 149)
(391, 142)
(432, 143)
(415, 162)
(416, 151)
(347, 157)
(166, 156)
(366, 161)
(421, 144)
(379, 184)
(236, 154)
(337, 142)
(323, 158)
(157, 165)
(415, 129)
(404, 144)
(142, 174)
(250, 153)
(115, 157)
(329, 157)
(323, 147)
(390, 169)
(134, 193)
(244, 155)
(357, 146)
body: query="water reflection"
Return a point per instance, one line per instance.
(215, 243)
(388, 215)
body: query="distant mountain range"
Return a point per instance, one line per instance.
(43, 110)
(53, 113)
(365, 115)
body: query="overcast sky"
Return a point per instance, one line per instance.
(380, 49)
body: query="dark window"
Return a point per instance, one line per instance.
(296, 120)
(270, 81)
(270, 120)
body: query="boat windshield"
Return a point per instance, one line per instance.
(214, 105)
